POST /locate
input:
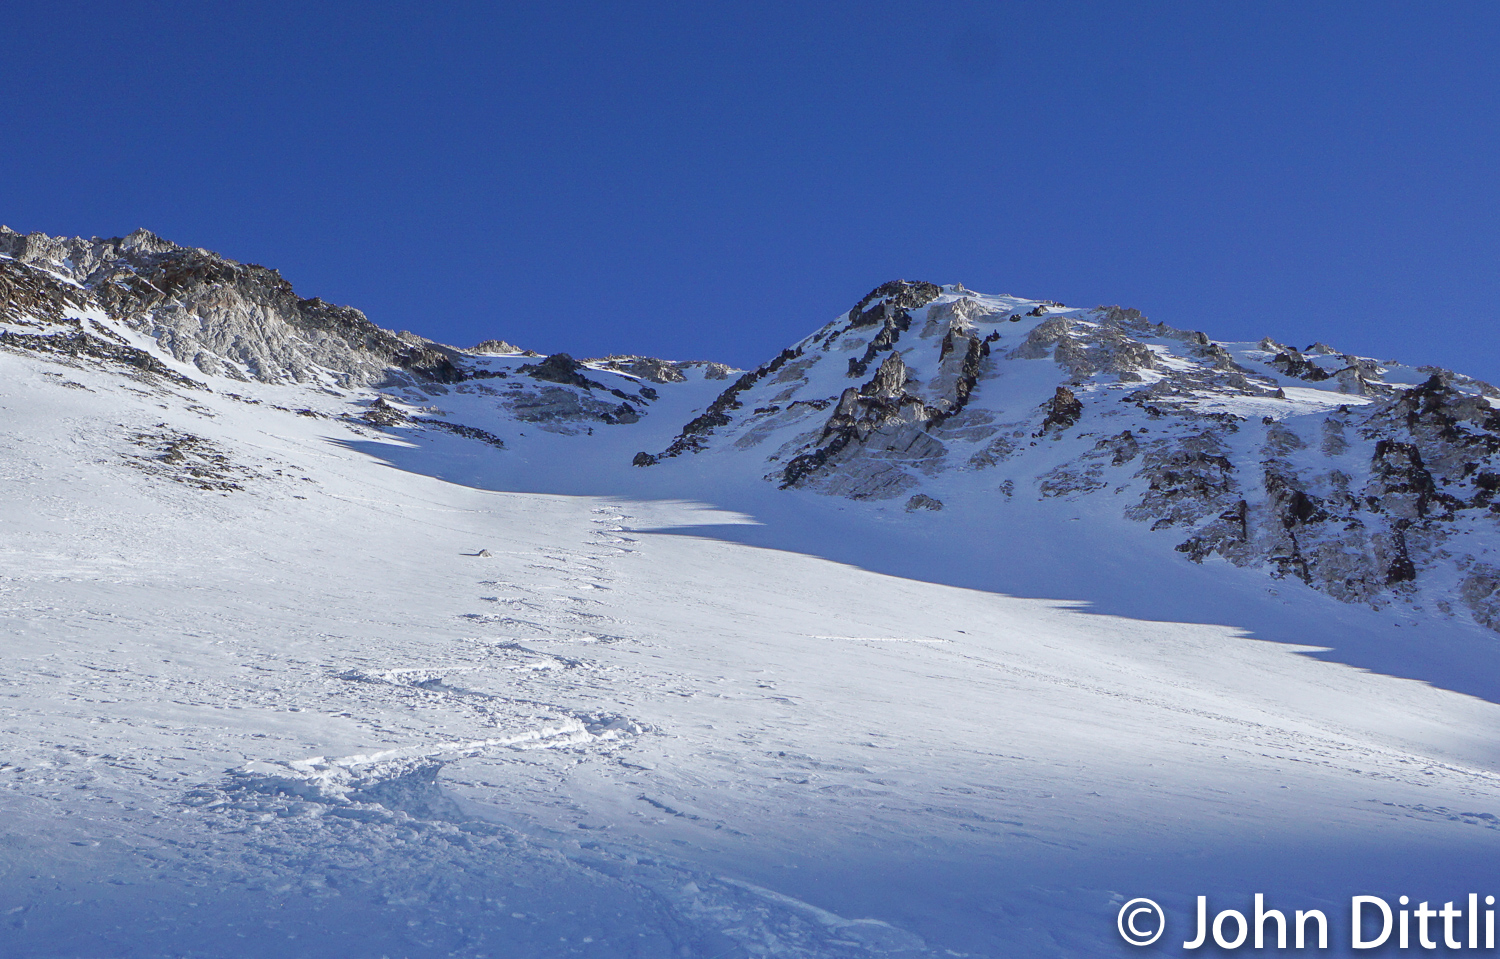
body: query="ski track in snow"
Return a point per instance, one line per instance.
(308, 718)
(385, 798)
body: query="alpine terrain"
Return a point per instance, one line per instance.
(944, 632)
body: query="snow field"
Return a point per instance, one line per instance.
(304, 719)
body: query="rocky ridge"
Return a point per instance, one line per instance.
(190, 318)
(224, 318)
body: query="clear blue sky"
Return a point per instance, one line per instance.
(717, 179)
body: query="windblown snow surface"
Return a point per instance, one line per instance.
(276, 683)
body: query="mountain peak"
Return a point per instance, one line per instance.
(1355, 477)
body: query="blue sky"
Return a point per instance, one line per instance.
(716, 180)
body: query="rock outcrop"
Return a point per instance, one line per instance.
(224, 318)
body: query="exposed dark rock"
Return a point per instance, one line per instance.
(560, 368)
(711, 371)
(1405, 487)
(888, 380)
(187, 459)
(429, 363)
(1128, 320)
(1229, 531)
(896, 323)
(80, 344)
(1063, 410)
(382, 414)
(1293, 363)
(1434, 408)
(803, 466)
(1400, 568)
(895, 296)
(1123, 448)
(968, 378)
(565, 409)
(469, 432)
(646, 367)
(1218, 357)
(694, 434)
(1292, 508)
(1186, 480)
(1085, 349)
(1360, 378)
(493, 347)
(28, 295)
(624, 413)
(1480, 591)
(860, 415)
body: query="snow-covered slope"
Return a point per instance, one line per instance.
(410, 660)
